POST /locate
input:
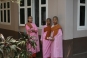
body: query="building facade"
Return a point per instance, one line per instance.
(71, 14)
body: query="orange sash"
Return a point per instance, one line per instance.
(48, 29)
(55, 29)
(29, 25)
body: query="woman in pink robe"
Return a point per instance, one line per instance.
(32, 30)
(56, 46)
(46, 44)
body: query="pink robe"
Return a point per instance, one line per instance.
(37, 49)
(56, 46)
(46, 44)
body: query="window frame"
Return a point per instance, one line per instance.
(33, 12)
(6, 23)
(42, 5)
(78, 16)
(25, 7)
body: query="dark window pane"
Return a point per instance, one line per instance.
(43, 15)
(82, 1)
(8, 4)
(28, 12)
(43, 1)
(8, 14)
(28, 2)
(1, 6)
(4, 15)
(82, 15)
(37, 12)
(1, 16)
(4, 5)
(22, 16)
(22, 3)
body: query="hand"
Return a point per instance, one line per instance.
(29, 30)
(52, 39)
(34, 31)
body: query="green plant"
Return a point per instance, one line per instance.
(9, 45)
(24, 39)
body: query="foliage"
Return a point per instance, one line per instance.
(8, 45)
(18, 46)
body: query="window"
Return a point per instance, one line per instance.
(5, 16)
(25, 11)
(43, 12)
(36, 8)
(82, 12)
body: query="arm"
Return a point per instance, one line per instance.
(51, 37)
(60, 32)
(59, 35)
(35, 29)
